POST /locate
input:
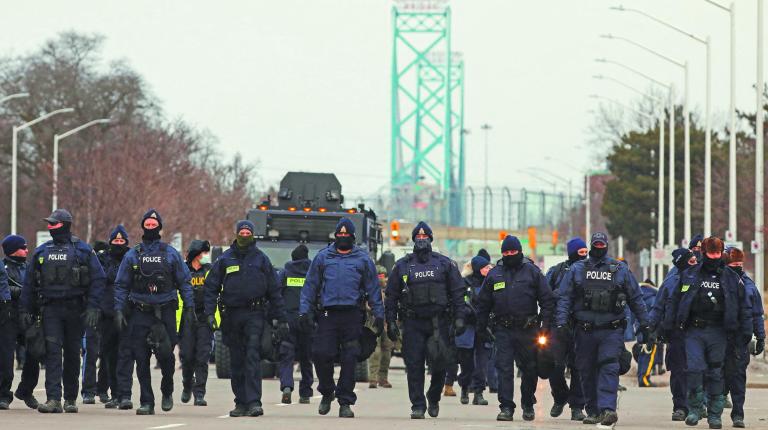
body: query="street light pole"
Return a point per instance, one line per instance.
(707, 119)
(486, 128)
(759, 172)
(14, 161)
(56, 139)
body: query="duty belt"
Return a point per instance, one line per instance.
(144, 307)
(254, 305)
(704, 323)
(519, 323)
(589, 325)
(77, 300)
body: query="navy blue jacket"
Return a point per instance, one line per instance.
(16, 271)
(239, 277)
(111, 266)
(570, 302)
(737, 317)
(661, 314)
(516, 292)
(754, 299)
(649, 298)
(124, 280)
(341, 280)
(84, 254)
(291, 281)
(397, 283)
(5, 292)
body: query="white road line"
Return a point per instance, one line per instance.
(223, 416)
(167, 426)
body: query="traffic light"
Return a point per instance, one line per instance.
(394, 229)
(502, 235)
(554, 238)
(532, 237)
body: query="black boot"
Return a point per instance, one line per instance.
(4, 405)
(325, 405)
(346, 412)
(557, 410)
(464, 399)
(433, 409)
(89, 399)
(738, 422)
(417, 414)
(200, 400)
(609, 418)
(239, 411)
(304, 400)
(30, 400)
(50, 407)
(125, 404)
(167, 403)
(479, 400)
(186, 395)
(528, 413)
(70, 406)
(145, 409)
(255, 410)
(286, 396)
(577, 414)
(111, 404)
(679, 415)
(505, 415)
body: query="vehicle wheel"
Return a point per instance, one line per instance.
(223, 370)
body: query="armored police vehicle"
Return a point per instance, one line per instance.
(306, 210)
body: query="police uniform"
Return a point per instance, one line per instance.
(66, 277)
(475, 352)
(563, 346)
(594, 294)
(298, 346)
(109, 336)
(196, 337)
(243, 283)
(338, 283)
(522, 303)
(711, 308)
(425, 291)
(147, 285)
(7, 341)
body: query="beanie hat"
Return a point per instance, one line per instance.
(13, 243)
(478, 263)
(244, 224)
(152, 213)
(712, 244)
(119, 232)
(735, 255)
(483, 253)
(345, 225)
(422, 228)
(575, 244)
(511, 243)
(300, 253)
(696, 241)
(197, 247)
(680, 257)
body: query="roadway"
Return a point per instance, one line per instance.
(376, 409)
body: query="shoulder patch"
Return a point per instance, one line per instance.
(499, 286)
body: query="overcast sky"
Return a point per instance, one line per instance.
(305, 85)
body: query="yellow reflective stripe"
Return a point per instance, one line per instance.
(685, 288)
(233, 269)
(295, 282)
(499, 286)
(41, 259)
(405, 279)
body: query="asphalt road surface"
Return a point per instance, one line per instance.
(376, 409)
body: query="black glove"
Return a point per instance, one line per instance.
(306, 323)
(283, 331)
(212, 322)
(378, 324)
(393, 331)
(483, 334)
(459, 326)
(120, 321)
(759, 346)
(25, 320)
(15, 292)
(92, 317)
(190, 318)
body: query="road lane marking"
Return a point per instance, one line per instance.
(167, 426)
(224, 416)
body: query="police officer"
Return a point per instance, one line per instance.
(297, 347)
(561, 392)
(646, 351)
(147, 285)
(712, 309)
(243, 282)
(196, 335)
(68, 280)
(664, 321)
(7, 341)
(736, 368)
(341, 277)
(480, 347)
(595, 293)
(514, 291)
(110, 259)
(426, 292)
(379, 361)
(15, 263)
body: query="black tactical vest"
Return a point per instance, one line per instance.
(425, 284)
(709, 303)
(197, 281)
(152, 274)
(600, 291)
(60, 270)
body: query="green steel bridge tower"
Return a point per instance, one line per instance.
(427, 151)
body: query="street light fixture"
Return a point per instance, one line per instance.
(14, 156)
(707, 118)
(56, 139)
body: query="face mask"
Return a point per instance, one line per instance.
(738, 269)
(151, 235)
(698, 255)
(598, 252)
(712, 265)
(512, 260)
(422, 246)
(61, 234)
(575, 257)
(18, 259)
(245, 241)
(118, 250)
(345, 243)
(205, 259)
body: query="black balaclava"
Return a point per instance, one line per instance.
(422, 247)
(595, 252)
(118, 251)
(153, 234)
(512, 243)
(711, 245)
(63, 233)
(345, 243)
(737, 269)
